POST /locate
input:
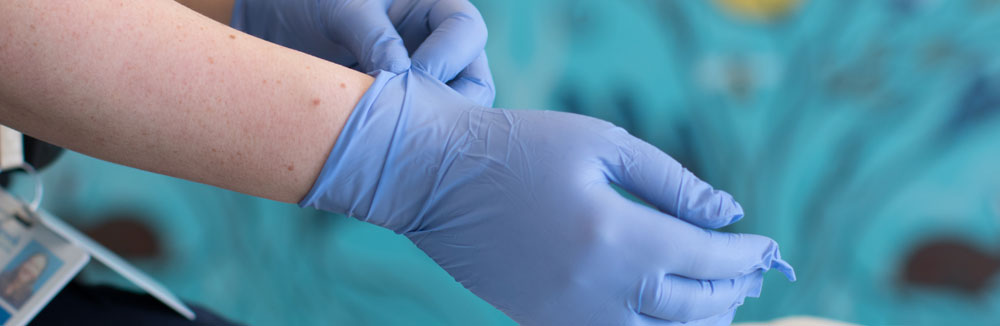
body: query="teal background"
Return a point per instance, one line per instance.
(851, 132)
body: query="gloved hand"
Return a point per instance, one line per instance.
(518, 207)
(446, 37)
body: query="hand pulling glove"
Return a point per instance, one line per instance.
(446, 38)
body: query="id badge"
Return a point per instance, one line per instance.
(36, 263)
(40, 254)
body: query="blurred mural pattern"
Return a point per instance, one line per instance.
(864, 136)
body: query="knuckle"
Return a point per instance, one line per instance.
(601, 231)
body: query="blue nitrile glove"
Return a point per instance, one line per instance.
(518, 207)
(446, 37)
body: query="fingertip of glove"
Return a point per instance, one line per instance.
(772, 260)
(781, 265)
(733, 218)
(735, 210)
(475, 90)
(726, 211)
(785, 268)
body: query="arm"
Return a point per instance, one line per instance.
(158, 87)
(516, 205)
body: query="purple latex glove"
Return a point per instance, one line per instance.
(517, 205)
(445, 37)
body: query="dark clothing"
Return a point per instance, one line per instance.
(103, 305)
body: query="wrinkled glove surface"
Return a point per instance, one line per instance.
(518, 206)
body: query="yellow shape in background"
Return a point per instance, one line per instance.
(759, 10)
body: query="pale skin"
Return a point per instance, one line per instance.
(159, 87)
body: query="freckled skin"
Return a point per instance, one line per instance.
(147, 92)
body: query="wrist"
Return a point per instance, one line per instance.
(348, 180)
(387, 164)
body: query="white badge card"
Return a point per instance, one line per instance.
(35, 263)
(116, 264)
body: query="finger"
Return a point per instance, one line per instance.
(476, 82)
(693, 252)
(650, 174)
(720, 255)
(369, 34)
(678, 298)
(458, 37)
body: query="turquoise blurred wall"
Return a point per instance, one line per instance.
(853, 132)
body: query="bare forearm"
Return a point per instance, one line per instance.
(153, 85)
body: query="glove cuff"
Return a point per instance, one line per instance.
(388, 163)
(350, 176)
